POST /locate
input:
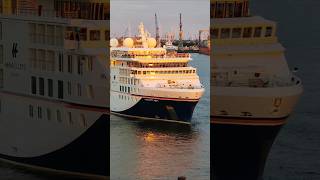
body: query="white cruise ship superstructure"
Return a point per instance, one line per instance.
(149, 82)
(54, 91)
(250, 76)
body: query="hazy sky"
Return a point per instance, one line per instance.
(125, 13)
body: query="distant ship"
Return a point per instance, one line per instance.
(54, 98)
(152, 83)
(205, 48)
(170, 47)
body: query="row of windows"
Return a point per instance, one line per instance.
(124, 97)
(247, 32)
(125, 89)
(82, 35)
(229, 9)
(43, 60)
(126, 72)
(126, 80)
(81, 10)
(46, 34)
(41, 88)
(83, 63)
(155, 65)
(49, 114)
(165, 72)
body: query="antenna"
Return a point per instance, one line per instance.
(157, 30)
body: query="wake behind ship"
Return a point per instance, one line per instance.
(149, 82)
(54, 94)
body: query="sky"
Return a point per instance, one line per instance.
(129, 13)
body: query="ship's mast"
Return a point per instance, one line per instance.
(144, 35)
(180, 33)
(157, 31)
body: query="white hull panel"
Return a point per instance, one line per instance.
(264, 103)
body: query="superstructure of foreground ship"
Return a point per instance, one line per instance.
(54, 94)
(149, 82)
(253, 90)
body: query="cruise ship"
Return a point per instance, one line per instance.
(151, 83)
(54, 86)
(253, 90)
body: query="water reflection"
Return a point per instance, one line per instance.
(159, 149)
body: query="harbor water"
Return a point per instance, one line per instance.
(295, 154)
(147, 149)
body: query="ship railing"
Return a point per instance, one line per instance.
(32, 13)
(179, 55)
(179, 86)
(44, 13)
(257, 83)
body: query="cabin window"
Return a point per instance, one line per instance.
(60, 89)
(95, 35)
(60, 62)
(79, 89)
(247, 32)
(225, 33)
(219, 10)
(83, 34)
(80, 65)
(229, 9)
(70, 64)
(69, 88)
(215, 33)
(39, 112)
(50, 87)
(268, 31)
(257, 32)
(90, 64)
(238, 10)
(236, 32)
(34, 85)
(41, 86)
(106, 35)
